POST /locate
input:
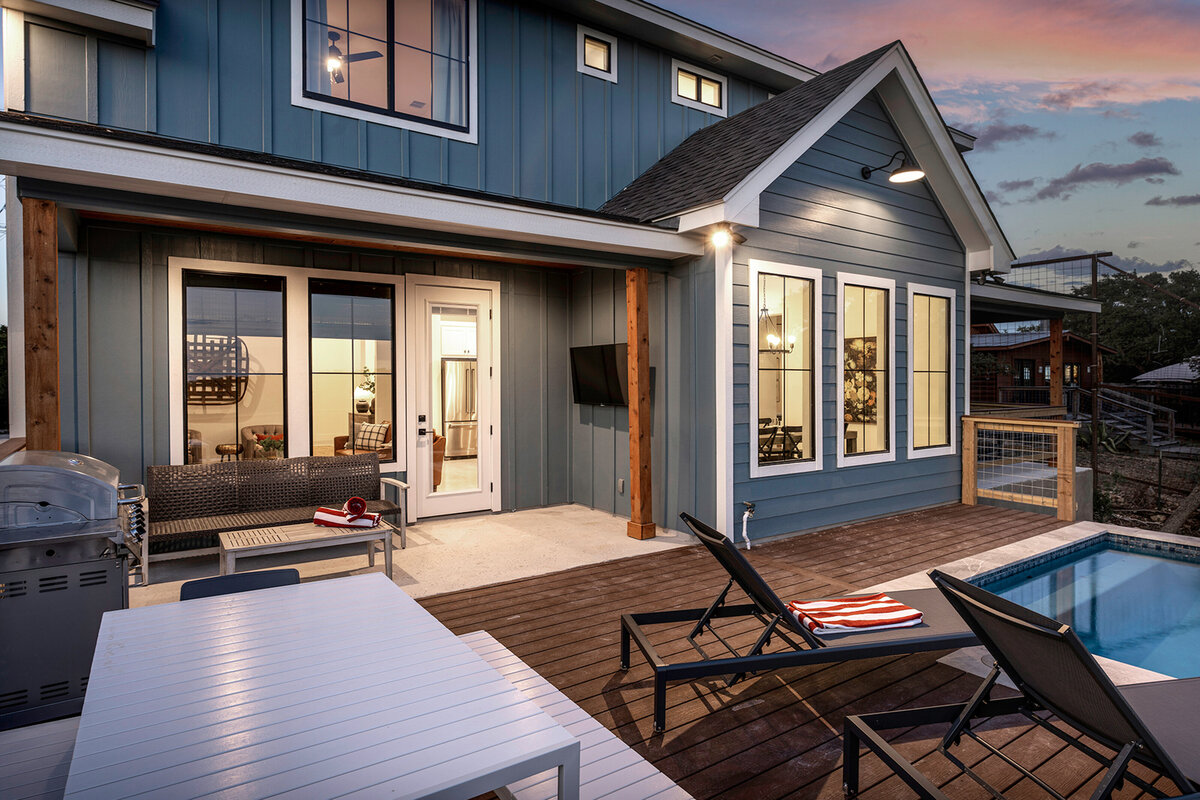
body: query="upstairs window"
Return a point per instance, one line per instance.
(597, 54)
(698, 88)
(395, 61)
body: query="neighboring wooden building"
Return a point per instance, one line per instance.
(1018, 365)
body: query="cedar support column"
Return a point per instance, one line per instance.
(641, 515)
(1056, 362)
(40, 245)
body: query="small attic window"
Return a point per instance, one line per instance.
(698, 88)
(597, 54)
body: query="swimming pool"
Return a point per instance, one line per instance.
(1130, 599)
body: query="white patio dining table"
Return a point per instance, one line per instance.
(343, 687)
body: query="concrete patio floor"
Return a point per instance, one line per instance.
(445, 555)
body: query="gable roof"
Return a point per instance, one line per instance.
(714, 160)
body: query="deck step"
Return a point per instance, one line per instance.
(34, 760)
(608, 768)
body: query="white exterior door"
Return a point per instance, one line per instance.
(453, 395)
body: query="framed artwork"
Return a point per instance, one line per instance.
(861, 382)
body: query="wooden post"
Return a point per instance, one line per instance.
(1065, 439)
(40, 245)
(1056, 362)
(641, 515)
(969, 495)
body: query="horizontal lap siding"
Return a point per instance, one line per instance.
(221, 73)
(822, 214)
(115, 379)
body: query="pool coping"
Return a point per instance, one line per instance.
(972, 659)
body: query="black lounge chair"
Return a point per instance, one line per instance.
(1154, 724)
(940, 629)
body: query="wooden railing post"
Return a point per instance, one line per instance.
(40, 247)
(641, 515)
(1056, 362)
(969, 493)
(1066, 473)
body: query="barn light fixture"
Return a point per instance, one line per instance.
(907, 172)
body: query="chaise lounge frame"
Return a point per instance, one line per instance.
(1081, 694)
(941, 630)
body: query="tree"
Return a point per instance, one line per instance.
(1146, 327)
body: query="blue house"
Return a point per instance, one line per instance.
(248, 228)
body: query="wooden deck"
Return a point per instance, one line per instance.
(777, 735)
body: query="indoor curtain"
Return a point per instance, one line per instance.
(449, 61)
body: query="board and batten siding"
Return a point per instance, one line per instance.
(220, 73)
(822, 214)
(113, 311)
(681, 411)
(113, 366)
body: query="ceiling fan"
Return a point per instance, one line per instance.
(335, 60)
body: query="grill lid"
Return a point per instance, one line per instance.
(48, 487)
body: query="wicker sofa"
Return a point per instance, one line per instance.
(190, 504)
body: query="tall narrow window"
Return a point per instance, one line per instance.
(407, 58)
(785, 383)
(234, 357)
(930, 342)
(866, 349)
(353, 389)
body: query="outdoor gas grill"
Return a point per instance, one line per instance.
(66, 530)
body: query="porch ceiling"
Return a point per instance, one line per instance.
(999, 303)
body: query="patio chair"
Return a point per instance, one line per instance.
(940, 629)
(238, 582)
(1153, 724)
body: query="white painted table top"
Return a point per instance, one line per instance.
(326, 689)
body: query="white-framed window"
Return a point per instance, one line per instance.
(698, 88)
(866, 346)
(596, 54)
(785, 369)
(931, 371)
(277, 329)
(405, 63)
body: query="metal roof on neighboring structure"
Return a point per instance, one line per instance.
(1011, 341)
(1176, 373)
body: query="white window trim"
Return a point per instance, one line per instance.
(678, 99)
(952, 448)
(296, 358)
(854, 279)
(611, 75)
(792, 271)
(471, 135)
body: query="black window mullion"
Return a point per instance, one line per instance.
(391, 55)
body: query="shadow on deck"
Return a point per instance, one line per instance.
(777, 735)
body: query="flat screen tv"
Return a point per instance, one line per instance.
(599, 374)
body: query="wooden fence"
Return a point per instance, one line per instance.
(1028, 461)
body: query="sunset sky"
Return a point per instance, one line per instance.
(1087, 111)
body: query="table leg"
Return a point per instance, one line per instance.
(568, 776)
(228, 563)
(371, 554)
(387, 555)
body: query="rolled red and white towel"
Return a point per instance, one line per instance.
(352, 514)
(862, 613)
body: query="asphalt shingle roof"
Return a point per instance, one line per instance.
(712, 161)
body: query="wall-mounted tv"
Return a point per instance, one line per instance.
(599, 374)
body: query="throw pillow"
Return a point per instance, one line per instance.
(371, 436)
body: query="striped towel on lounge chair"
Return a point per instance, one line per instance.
(352, 514)
(863, 613)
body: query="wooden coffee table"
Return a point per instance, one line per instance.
(302, 536)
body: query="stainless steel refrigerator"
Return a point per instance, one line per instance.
(459, 409)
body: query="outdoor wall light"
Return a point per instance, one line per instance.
(721, 237)
(907, 172)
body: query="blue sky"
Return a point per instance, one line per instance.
(1088, 111)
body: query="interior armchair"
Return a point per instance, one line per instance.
(251, 448)
(342, 446)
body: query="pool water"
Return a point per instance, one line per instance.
(1142, 608)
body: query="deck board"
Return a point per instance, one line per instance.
(776, 735)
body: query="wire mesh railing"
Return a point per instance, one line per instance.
(1024, 461)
